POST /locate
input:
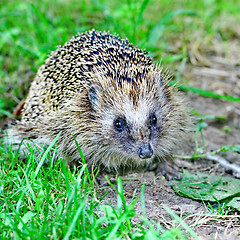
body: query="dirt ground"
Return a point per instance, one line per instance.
(216, 69)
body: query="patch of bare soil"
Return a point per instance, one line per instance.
(215, 68)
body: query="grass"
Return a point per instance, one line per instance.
(52, 202)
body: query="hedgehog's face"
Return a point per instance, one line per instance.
(132, 130)
(136, 130)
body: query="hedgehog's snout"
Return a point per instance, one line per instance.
(145, 151)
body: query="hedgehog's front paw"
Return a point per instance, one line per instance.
(169, 171)
(166, 168)
(102, 181)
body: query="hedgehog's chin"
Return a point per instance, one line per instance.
(142, 161)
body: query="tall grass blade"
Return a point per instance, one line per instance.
(207, 93)
(157, 31)
(46, 153)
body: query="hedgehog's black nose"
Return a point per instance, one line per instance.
(145, 151)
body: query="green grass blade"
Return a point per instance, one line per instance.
(143, 201)
(207, 93)
(157, 31)
(180, 70)
(46, 153)
(182, 223)
(142, 9)
(73, 223)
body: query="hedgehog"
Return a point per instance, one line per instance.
(109, 96)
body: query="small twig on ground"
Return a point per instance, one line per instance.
(234, 167)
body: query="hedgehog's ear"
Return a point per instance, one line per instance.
(94, 95)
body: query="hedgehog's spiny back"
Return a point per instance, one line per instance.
(96, 50)
(116, 57)
(72, 67)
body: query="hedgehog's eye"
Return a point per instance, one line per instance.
(119, 124)
(153, 120)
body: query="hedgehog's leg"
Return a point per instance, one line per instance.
(22, 137)
(166, 168)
